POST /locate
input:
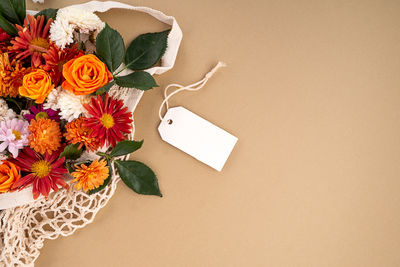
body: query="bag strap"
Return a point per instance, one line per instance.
(174, 37)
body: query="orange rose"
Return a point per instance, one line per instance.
(36, 85)
(9, 174)
(85, 75)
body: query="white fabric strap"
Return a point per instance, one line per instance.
(193, 87)
(174, 37)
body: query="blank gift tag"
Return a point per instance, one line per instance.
(197, 137)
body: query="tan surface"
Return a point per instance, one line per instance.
(312, 92)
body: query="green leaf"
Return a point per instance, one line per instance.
(138, 177)
(71, 152)
(139, 79)
(13, 10)
(110, 48)
(49, 13)
(106, 181)
(126, 147)
(105, 88)
(7, 26)
(20, 8)
(146, 50)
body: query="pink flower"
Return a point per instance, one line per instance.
(41, 112)
(13, 135)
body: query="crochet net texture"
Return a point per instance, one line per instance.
(24, 229)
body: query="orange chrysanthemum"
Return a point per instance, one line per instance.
(11, 76)
(92, 176)
(45, 136)
(78, 133)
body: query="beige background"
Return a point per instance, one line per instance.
(312, 92)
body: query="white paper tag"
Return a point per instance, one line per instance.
(197, 137)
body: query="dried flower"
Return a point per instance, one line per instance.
(70, 19)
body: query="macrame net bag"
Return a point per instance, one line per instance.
(24, 229)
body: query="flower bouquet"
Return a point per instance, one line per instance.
(68, 87)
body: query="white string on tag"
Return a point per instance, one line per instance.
(193, 87)
(192, 134)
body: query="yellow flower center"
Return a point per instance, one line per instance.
(107, 120)
(91, 176)
(40, 44)
(41, 168)
(44, 136)
(17, 134)
(41, 115)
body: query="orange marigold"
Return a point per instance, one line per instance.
(11, 76)
(77, 133)
(92, 176)
(45, 135)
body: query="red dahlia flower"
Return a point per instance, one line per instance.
(46, 171)
(4, 41)
(110, 120)
(3, 35)
(32, 40)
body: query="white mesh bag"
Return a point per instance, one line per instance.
(26, 223)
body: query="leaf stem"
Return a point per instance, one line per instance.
(108, 157)
(130, 63)
(15, 102)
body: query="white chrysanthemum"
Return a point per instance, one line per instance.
(52, 98)
(5, 112)
(70, 105)
(70, 19)
(61, 32)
